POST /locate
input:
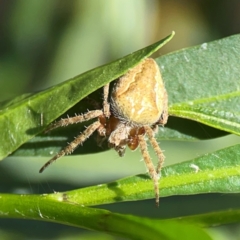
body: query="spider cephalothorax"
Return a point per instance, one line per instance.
(138, 104)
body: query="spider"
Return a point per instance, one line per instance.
(135, 107)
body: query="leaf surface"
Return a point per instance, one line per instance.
(204, 85)
(62, 211)
(26, 116)
(217, 172)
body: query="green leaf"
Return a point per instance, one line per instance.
(203, 83)
(213, 218)
(61, 210)
(26, 116)
(197, 90)
(213, 172)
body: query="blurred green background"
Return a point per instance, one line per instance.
(43, 43)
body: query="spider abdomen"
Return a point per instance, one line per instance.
(140, 96)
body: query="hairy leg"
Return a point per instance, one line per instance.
(149, 165)
(106, 105)
(77, 119)
(156, 148)
(72, 145)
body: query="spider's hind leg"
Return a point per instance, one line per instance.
(150, 166)
(157, 149)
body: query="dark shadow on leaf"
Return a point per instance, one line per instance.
(120, 195)
(193, 129)
(114, 186)
(48, 145)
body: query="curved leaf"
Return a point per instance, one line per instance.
(24, 117)
(197, 90)
(61, 211)
(203, 83)
(213, 172)
(213, 218)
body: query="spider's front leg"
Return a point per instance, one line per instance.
(72, 120)
(72, 145)
(80, 138)
(106, 105)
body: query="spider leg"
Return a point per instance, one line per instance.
(106, 105)
(164, 116)
(72, 145)
(156, 148)
(149, 165)
(77, 119)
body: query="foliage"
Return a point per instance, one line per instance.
(203, 85)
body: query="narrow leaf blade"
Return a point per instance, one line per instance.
(24, 117)
(62, 211)
(213, 172)
(203, 83)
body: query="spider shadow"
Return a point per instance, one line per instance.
(120, 194)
